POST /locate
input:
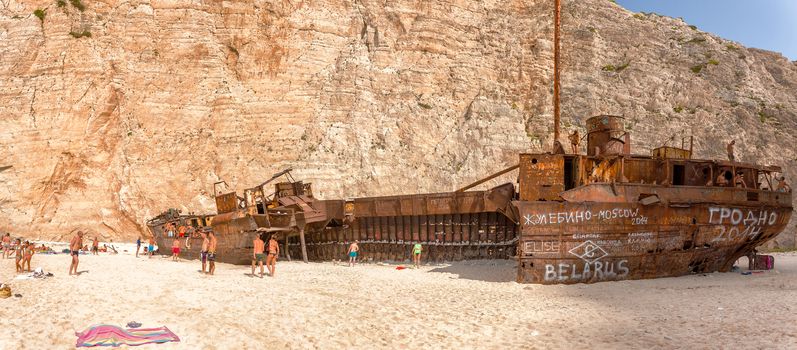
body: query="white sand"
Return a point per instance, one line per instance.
(465, 305)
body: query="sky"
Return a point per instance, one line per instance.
(764, 24)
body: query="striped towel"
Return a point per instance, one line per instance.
(108, 335)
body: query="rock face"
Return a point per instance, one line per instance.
(112, 114)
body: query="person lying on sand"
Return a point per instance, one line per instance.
(176, 249)
(257, 254)
(212, 253)
(74, 251)
(273, 253)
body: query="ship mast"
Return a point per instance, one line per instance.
(557, 23)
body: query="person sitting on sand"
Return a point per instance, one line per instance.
(19, 255)
(354, 249)
(258, 255)
(273, 253)
(203, 254)
(151, 242)
(176, 249)
(27, 254)
(212, 253)
(416, 254)
(74, 251)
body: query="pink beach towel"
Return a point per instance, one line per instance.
(108, 335)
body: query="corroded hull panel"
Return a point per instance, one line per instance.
(584, 242)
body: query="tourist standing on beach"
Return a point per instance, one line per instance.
(258, 255)
(7, 245)
(74, 251)
(19, 255)
(203, 254)
(151, 247)
(212, 253)
(95, 246)
(354, 249)
(138, 245)
(416, 254)
(273, 253)
(176, 249)
(27, 254)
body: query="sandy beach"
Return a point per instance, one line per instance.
(466, 305)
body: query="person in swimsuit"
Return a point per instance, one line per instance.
(7, 245)
(416, 254)
(354, 249)
(782, 185)
(212, 253)
(19, 256)
(151, 246)
(74, 251)
(95, 246)
(258, 255)
(27, 252)
(176, 249)
(203, 254)
(138, 245)
(273, 253)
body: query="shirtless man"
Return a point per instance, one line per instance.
(6, 245)
(273, 253)
(176, 249)
(258, 255)
(74, 251)
(212, 253)
(95, 246)
(782, 185)
(575, 139)
(203, 254)
(354, 249)
(729, 148)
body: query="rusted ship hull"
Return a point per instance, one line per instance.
(583, 242)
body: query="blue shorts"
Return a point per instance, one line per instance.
(151, 247)
(353, 254)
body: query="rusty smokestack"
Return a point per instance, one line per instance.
(557, 24)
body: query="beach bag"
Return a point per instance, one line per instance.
(5, 292)
(762, 262)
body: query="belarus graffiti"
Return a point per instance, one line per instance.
(592, 267)
(735, 223)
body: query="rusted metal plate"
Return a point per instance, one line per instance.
(565, 242)
(541, 176)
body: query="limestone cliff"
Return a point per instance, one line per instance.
(111, 111)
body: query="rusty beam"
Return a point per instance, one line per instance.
(488, 178)
(556, 66)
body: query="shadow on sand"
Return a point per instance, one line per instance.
(481, 270)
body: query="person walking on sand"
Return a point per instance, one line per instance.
(416, 254)
(731, 156)
(151, 247)
(273, 253)
(176, 249)
(74, 251)
(95, 246)
(203, 254)
(258, 255)
(212, 253)
(138, 245)
(7, 245)
(354, 249)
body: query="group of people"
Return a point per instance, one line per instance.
(259, 254)
(354, 252)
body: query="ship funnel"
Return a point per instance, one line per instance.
(606, 136)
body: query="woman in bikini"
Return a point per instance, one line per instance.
(273, 253)
(27, 254)
(19, 255)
